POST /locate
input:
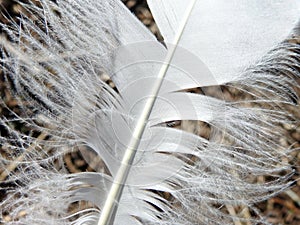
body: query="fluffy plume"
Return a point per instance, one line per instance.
(53, 59)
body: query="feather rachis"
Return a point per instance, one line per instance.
(120, 179)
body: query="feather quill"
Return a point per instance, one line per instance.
(54, 62)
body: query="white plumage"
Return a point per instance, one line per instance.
(55, 60)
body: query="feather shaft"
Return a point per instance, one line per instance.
(111, 203)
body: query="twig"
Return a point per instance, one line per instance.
(232, 212)
(13, 165)
(293, 196)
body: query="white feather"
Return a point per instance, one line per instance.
(228, 36)
(57, 70)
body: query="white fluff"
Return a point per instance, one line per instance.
(55, 64)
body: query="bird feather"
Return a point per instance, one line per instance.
(57, 53)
